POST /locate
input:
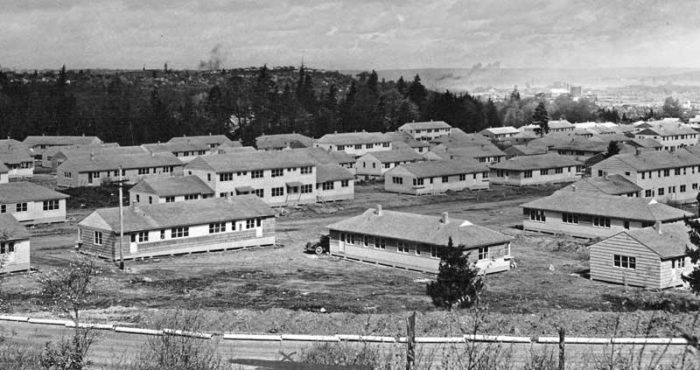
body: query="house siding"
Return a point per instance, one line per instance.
(517, 178)
(19, 260)
(337, 193)
(648, 265)
(584, 228)
(436, 186)
(35, 213)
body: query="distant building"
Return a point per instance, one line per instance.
(355, 143)
(426, 131)
(17, 158)
(32, 204)
(522, 150)
(14, 245)
(482, 153)
(373, 165)
(38, 144)
(436, 177)
(55, 156)
(322, 156)
(560, 125)
(169, 189)
(402, 140)
(499, 133)
(166, 229)
(412, 241)
(334, 183)
(185, 151)
(283, 141)
(96, 170)
(212, 141)
(672, 137)
(535, 169)
(4, 174)
(611, 185)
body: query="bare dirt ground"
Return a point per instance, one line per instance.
(281, 289)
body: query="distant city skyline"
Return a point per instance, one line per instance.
(349, 35)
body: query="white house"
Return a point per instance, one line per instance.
(426, 131)
(373, 165)
(32, 204)
(535, 169)
(14, 245)
(169, 189)
(436, 177)
(355, 143)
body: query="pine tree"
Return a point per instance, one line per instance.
(458, 281)
(417, 92)
(693, 279)
(541, 118)
(613, 149)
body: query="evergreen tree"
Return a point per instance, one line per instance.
(693, 279)
(613, 149)
(458, 281)
(541, 118)
(401, 86)
(417, 92)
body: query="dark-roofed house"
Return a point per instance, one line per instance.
(169, 189)
(435, 177)
(611, 185)
(412, 241)
(38, 144)
(460, 138)
(283, 141)
(211, 141)
(402, 140)
(279, 178)
(31, 203)
(184, 150)
(535, 169)
(373, 165)
(14, 245)
(595, 215)
(334, 183)
(180, 227)
(355, 143)
(672, 136)
(652, 257)
(17, 158)
(664, 176)
(426, 131)
(4, 174)
(95, 170)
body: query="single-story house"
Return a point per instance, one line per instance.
(373, 165)
(560, 125)
(355, 143)
(176, 228)
(333, 183)
(31, 203)
(185, 151)
(480, 152)
(521, 150)
(412, 241)
(652, 257)
(14, 245)
(611, 185)
(55, 156)
(211, 141)
(283, 141)
(499, 133)
(95, 170)
(535, 169)
(4, 174)
(595, 215)
(169, 189)
(436, 177)
(38, 144)
(402, 140)
(458, 137)
(18, 160)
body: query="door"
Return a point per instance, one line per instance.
(89, 177)
(341, 243)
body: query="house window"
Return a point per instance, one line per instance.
(402, 247)
(306, 170)
(484, 175)
(366, 240)
(138, 198)
(350, 238)
(544, 171)
(226, 176)
(374, 165)
(162, 234)
(694, 186)
(527, 174)
(569, 218)
(682, 189)
(661, 191)
(328, 185)
(369, 146)
(244, 173)
(277, 172)
(434, 252)
(445, 179)
(483, 253)
(259, 192)
(677, 171)
(678, 262)
(381, 244)
(626, 224)
(171, 199)
(3, 208)
(8, 247)
(559, 170)
(417, 182)
(141, 171)
(21, 207)
(96, 175)
(358, 146)
(345, 183)
(463, 177)
(180, 232)
(277, 192)
(97, 238)
(667, 173)
(217, 227)
(671, 189)
(50, 205)
(648, 193)
(385, 145)
(387, 165)
(250, 224)
(537, 215)
(397, 180)
(256, 174)
(643, 173)
(143, 236)
(305, 189)
(341, 147)
(625, 262)
(191, 196)
(599, 221)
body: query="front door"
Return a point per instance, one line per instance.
(89, 177)
(341, 243)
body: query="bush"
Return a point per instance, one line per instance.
(458, 281)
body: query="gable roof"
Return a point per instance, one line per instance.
(440, 168)
(10, 144)
(474, 150)
(612, 185)
(459, 137)
(500, 130)
(388, 156)
(111, 162)
(61, 140)
(23, 191)
(250, 161)
(322, 156)
(332, 172)
(668, 130)
(11, 229)
(352, 138)
(424, 125)
(202, 139)
(559, 124)
(172, 185)
(644, 142)
(177, 146)
(599, 204)
(420, 228)
(670, 242)
(292, 140)
(534, 162)
(403, 137)
(51, 151)
(520, 150)
(167, 215)
(652, 160)
(580, 144)
(86, 151)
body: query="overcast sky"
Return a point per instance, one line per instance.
(350, 34)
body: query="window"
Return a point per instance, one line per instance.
(677, 171)
(96, 175)
(385, 145)
(402, 247)
(250, 224)
(328, 185)
(259, 192)
(483, 253)
(21, 207)
(671, 189)
(387, 165)
(682, 189)
(345, 183)
(305, 189)
(97, 237)
(3, 208)
(162, 234)
(277, 172)
(341, 147)
(527, 174)
(667, 173)
(463, 177)
(366, 240)
(138, 198)
(180, 232)
(67, 174)
(417, 182)
(434, 252)
(397, 180)
(418, 247)
(226, 176)
(369, 146)
(678, 262)
(8, 247)
(694, 186)
(484, 175)
(661, 191)
(625, 262)
(172, 199)
(306, 170)
(537, 215)
(569, 218)
(643, 173)
(381, 244)
(350, 238)
(648, 193)
(544, 171)
(142, 171)
(600, 173)
(217, 227)
(50, 205)
(244, 173)
(277, 192)
(559, 170)
(191, 196)
(445, 179)
(358, 146)
(256, 174)
(143, 236)
(599, 221)
(626, 224)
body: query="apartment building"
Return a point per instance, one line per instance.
(671, 136)
(355, 143)
(96, 170)
(426, 131)
(435, 177)
(169, 189)
(535, 169)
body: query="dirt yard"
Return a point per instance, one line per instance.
(290, 289)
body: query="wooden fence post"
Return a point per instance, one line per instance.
(562, 349)
(410, 341)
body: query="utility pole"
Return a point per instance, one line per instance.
(121, 220)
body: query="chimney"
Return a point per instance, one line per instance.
(92, 156)
(573, 188)
(657, 227)
(379, 210)
(444, 219)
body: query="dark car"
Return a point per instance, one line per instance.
(320, 247)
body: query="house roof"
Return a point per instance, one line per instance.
(292, 140)
(501, 130)
(599, 204)
(534, 162)
(51, 151)
(440, 168)
(10, 144)
(11, 229)
(61, 140)
(226, 149)
(250, 161)
(15, 156)
(85, 151)
(645, 143)
(580, 144)
(420, 228)
(202, 139)
(520, 150)
(424, 125)
(172, 185)
(3, 168)
(111, 162)
(166, 215)
(668, 130)
(178, 146)
(352, 138)
(403, 137)
(323, 156)
(612, 185)
(388, 156)
(653, 160)
(473, 150)
(22, 191)
(559, 124)
(458, 137)
(332, 172)
(670, 240)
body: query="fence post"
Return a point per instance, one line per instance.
(410, 341)
(562, 349)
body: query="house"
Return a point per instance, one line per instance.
(436, 177)
(402, 140)
(560, 125)
(38, 144)
(166, 229)
(521, 150)
(579, 148)
(482, 153)
(664, 176)
(355, 143)
(183, 150)
(96, 170)
(322, 156)
(279, 178)
(373, 165)
(14, 245)
(646, 143)
(55, 156)
(535, 169)
(31, 203)
(334, 183)
(672, 137)
(460, 138)
(611, 185)
(426, 131)
(17, 158)
(652, 257)
(4, 174)
(228, 149)
(283, 141)
(499, 133)
(169, 189)
(595, 215)
(412, 241)
(211, 141)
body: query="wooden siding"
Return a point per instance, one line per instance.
(646, 274)
(338, 193)
(583, 229)
(19, 260)
(35, 213)
(517, 178)
(437, 186)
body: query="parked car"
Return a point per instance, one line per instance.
(320, 247)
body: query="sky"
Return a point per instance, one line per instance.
(349, 34)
